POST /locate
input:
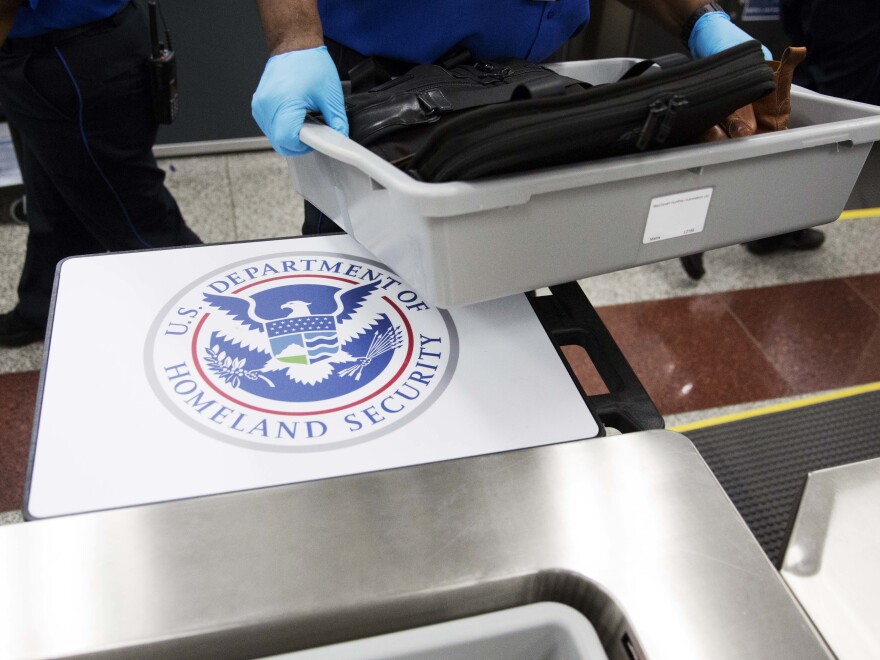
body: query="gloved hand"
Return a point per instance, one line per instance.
(714, 32)
(292, 84)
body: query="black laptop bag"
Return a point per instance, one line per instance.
(490, 118)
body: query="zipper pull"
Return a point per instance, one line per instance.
(676, 103)
(655, 113)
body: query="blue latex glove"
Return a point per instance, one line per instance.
(292, 84)
(714, 32)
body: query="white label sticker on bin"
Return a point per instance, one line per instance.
(672, 216)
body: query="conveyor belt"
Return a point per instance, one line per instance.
(762, 462)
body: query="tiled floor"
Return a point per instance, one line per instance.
(19, 392)
(726, 349)
(834, 341)
(754, 329)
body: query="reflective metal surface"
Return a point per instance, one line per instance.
(833, 558)
(205, 147)
(632, 530)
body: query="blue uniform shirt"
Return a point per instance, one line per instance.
(424, 30)
(36, 17)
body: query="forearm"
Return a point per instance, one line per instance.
(290, 25)
(671, 14)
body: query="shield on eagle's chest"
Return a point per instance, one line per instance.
(303, 339)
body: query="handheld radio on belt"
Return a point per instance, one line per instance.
(163, 71)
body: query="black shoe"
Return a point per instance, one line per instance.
(803, 239)
(15, 331)
(693, 266)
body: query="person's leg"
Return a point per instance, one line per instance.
(83, 106)
(54, 233)
(843, 60)
(842, 37)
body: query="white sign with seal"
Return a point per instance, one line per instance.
(194, 371)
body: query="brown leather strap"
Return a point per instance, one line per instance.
(774, 110)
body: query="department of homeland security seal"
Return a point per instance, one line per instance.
(299, 352)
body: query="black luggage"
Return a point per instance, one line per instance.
(489, 118)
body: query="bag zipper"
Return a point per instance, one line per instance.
(601, 93)
(504, 74)
(658, 124)
(456, 81)
(656, 112)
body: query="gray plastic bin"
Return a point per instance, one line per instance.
(464, 242)
(541, 631)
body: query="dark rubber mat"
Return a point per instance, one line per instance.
(762, 462)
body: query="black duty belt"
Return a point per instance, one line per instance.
(54, 37)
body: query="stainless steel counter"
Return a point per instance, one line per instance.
(633, 530)
(832, 562)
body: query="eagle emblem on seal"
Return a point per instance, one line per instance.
(308, 347)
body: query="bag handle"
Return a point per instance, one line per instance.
(370, 71)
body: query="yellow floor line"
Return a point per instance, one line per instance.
(857, 214)
(779, 407)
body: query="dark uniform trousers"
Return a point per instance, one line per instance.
(80, 99)
(843, 46)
